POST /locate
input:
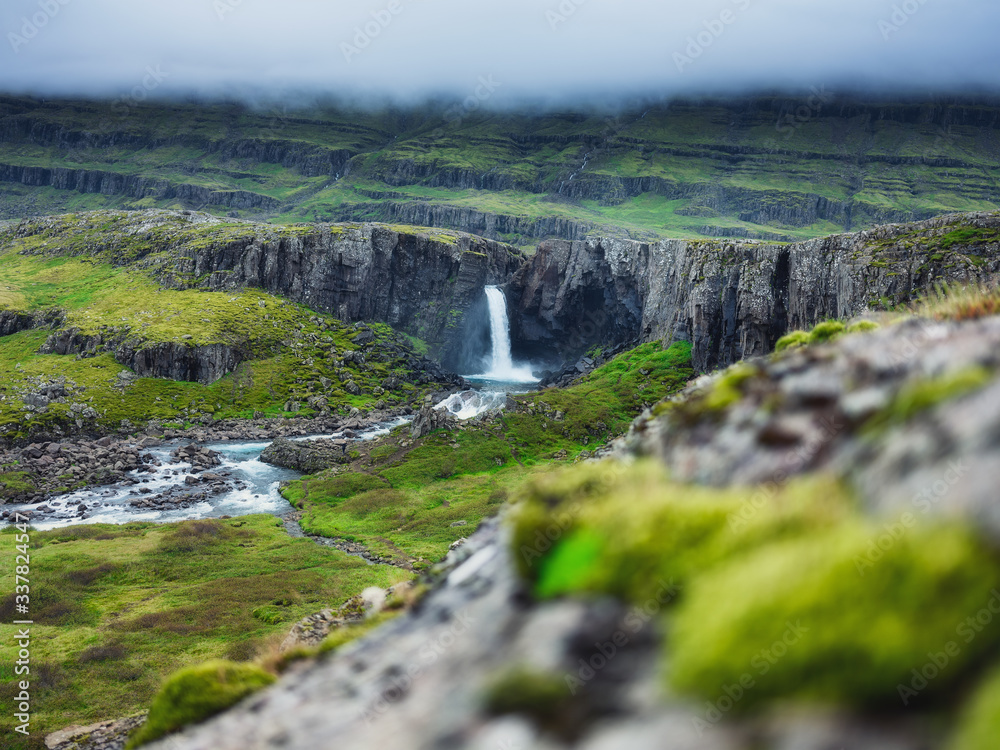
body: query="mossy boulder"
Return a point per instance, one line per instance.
(828, 330)
(196, 693)
(863, 326)
(585, 530)
(979, 728)
(824, 618)
(792, 340)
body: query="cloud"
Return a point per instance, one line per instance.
(541, 50)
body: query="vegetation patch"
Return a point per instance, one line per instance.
(922, 395)
(124, 606)
(959, 302)
(197, 693)
(415, 498)
(980, 724)
(805, 619)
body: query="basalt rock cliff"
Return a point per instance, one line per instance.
(422, 282)
(734, 300)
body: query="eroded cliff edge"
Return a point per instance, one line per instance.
(734, 300)
(420, 281)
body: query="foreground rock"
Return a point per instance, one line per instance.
(846, 408)
(430, 678)
(419, 681)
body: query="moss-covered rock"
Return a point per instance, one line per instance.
(826, 331)
(530, 692)
(822, 618)
(792, 340)
(583, 531)
(863, 326)
(979, 728)
(924, 394)
(197, 693)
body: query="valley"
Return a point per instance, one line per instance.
(259, 454)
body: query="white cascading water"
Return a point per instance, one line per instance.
(499, 331)
(502, 365)
(502, 370)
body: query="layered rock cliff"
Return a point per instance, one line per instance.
(423, 282)
(734, 300)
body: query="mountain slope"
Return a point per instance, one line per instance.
(770, 167)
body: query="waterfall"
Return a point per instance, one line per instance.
(502, 365)
(499, 331)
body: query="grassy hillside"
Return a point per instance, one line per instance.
(772, 167)
(402, 497)
(295, 361)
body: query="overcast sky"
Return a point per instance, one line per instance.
(543, 50)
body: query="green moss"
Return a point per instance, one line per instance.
(821, 618)
(826, 331)
(577, 531)
(921, 395)
(349, 633)
(966, 236)
(15, 484)
(196, 693)
(980, 724)
(724, 391)
(863, 326)
(792, 340)
(530, 692)
(728, 388)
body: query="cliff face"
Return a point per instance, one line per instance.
(194, 364)
(424, 283)
(486, 224)
(133, 186)
(417, 284)
(734, 300)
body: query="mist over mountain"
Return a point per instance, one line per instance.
(556, 52)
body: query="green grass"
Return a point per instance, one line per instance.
(872, 159)
(117, 608)
(404, 499)
(291, 352)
